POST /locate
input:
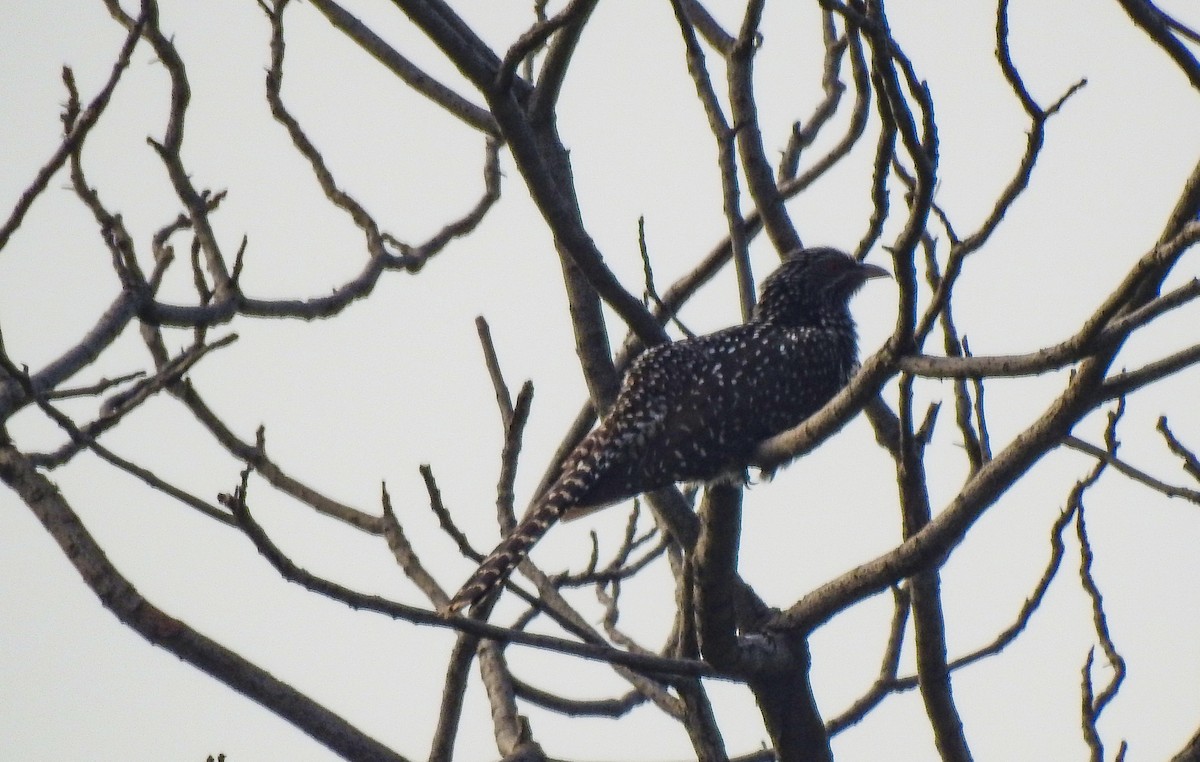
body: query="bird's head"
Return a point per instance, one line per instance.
(812, 286)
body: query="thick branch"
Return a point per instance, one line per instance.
(760, 179)
(408, 72)
(715, 564)
(173, 635)
(1156, 25)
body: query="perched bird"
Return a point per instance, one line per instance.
(696, 409)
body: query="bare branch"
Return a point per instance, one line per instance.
(1108, 325)
(77, 131)
(885, 152)
(453, 692)
(614, 707)
(413, 258)
(709, 28)
(511, 730)
(170, 147)
(715, 561)
(804, 134)
(701, 722)
(118, 406)
(304, 145)
(81, 438)
(110, 324)
(1133, 473)
(1034, 600)
(885, 682)
(1130, 381)
(726, 158)
(1190, 751)
(444, 519)
(1191, 464)
(173, 635)
(492, 362)
(408, 72)
(95, 389)
(760, 179)
(1009, 69)
(970, 413)
(571, 20)
(652, 297)
(1179, 27)
(406, 556)
(855, 128)
(293, 573)
(1100, 621)
(256, 455)
(1157, 25)
(508, 457)
(929, 625)
(889, 683)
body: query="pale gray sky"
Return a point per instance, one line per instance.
(398, 380)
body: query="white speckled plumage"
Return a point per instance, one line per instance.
(696, 409)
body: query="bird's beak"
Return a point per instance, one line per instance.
(869, 271)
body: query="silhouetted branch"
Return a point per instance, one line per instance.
(885, 683)
(709, 28)
(715, 559)
(293, 573)
(408, 72)
(256, 456)
(510, 729)
(492, 362)
(1157, 25)
(406, 556)
(614, 707)
(513, 429)
(805, 133)
(95, 389)
(517, 97)
(81, 124)
(571, 21)
(80, 438)
(1191, 464)
(1190, 751)
(726, 139)
(445, 520)
(1133, 473)
(119, 405)
(173, 635)
(760, 179)
(928, 618)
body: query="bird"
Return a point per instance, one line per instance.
(695, 410)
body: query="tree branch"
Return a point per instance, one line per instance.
(171, 634)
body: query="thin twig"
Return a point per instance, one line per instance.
(886, 682)
(1191, 463)
(119, 405)
(406, 556)
(492, 362)
(79, 130)
(293, 573)
(1136, 474)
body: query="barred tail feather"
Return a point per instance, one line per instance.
(496, 567)
(579, 476)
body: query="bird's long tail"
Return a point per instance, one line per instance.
(571, 491)
(500, 562)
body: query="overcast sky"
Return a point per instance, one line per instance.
(398, 381)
